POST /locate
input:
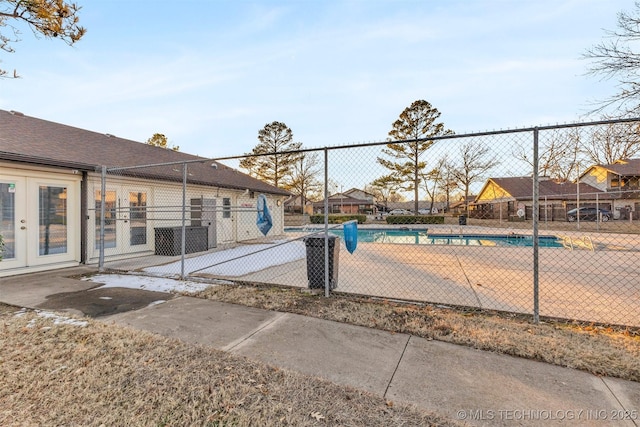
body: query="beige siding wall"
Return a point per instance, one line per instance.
(234, 223)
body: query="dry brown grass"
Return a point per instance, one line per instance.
(600, 350)
(102, 374)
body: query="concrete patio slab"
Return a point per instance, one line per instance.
(30, 290)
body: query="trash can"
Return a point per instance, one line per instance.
(315, 260)
(462, 220)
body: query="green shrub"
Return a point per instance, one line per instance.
(337, 219)
(414, 219)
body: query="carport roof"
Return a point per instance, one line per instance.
(31, 140)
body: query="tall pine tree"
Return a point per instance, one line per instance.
(270, 160)
(416, 125)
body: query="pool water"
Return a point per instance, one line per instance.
(495, 240)
(421, 237)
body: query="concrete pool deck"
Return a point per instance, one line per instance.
(597, 286)
(486, 277)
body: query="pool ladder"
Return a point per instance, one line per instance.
(570, 243)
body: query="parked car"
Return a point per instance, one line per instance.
(589, 214)
(399, 212)
(424, 211)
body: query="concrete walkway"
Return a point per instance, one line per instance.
(480, 388)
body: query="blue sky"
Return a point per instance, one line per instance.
(210, 74)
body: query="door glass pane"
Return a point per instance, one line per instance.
(52, 220)
(226, 207)
(109, 219)
(138, 218)
(8, 220)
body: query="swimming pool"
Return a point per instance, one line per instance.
(422, 237)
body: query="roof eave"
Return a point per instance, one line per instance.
(34, 160)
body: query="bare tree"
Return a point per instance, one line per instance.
(612, 142)
(558, 153)
(385, 189)
(434, 177)
(448, 183)
(615, 57)
(333, 186)
(304, 178)
(475, 161)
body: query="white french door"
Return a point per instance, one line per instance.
(13, 218)
(126, 228)
(38, 221)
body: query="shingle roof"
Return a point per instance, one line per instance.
(521, 188)
(357, 190)
(345, 200)
(624, 167)
(36, 141)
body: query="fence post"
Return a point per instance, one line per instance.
(326, 223)
(184, 219)
(536, 213)
(103, 189)
(578, 194)
(598, 214)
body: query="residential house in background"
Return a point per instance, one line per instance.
(511, 198)
(51, 196)
(293, 205)
(356, 193)
(620, 180)
(460, 206)
(353, 201)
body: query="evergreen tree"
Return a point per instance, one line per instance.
(272, 160)
(412, 134)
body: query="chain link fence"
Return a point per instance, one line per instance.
(542, 221)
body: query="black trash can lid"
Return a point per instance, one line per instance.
(321, 236)
(318, 239)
